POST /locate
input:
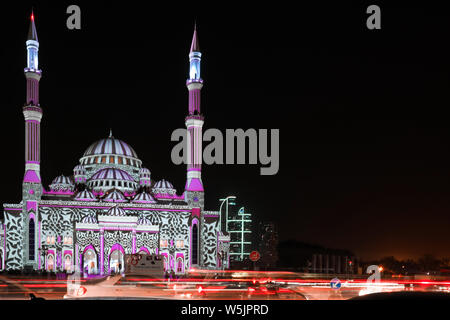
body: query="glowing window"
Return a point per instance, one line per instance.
(163, 243)
(180, 243)
(103, 159)
(111, 159)
(119, 160)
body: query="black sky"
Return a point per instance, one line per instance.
(364, 127)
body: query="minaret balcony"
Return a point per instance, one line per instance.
(32, 108)
(195, 116)
(32, 70)
(189, 81)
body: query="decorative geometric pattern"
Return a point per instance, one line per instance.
(148, 240)
(14, 251)
(209, 239)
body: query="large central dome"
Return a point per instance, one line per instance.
(110, 146)
(111, 152)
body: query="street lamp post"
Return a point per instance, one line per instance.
(227, 201)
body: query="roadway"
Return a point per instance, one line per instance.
(209, 285)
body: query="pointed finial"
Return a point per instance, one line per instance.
(32, 33)
(110, 132)
(194, 45)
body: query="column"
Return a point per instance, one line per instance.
(102, 262)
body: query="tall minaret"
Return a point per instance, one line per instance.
(194, 123)
(32, 187)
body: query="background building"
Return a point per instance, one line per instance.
(267, 243)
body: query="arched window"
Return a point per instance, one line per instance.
(50, 262)
(165, 264)
(194, 244)
(68, 263)
(31, 239)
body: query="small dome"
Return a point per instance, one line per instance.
(116, 211)
(79, 168)
(114, 196)
(112, 173)
(108, 178)
(144, 177)
(62, 183)
(144, 221)
(79, 174)
(164, 187)
(144, 171)
(163, 184)
(85, 195)
(143, 197)
(89, 219)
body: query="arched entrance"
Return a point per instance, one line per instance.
(90, 260)
(180, 265)
(144, 250)
(116, 259)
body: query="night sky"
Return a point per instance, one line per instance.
(364, 126)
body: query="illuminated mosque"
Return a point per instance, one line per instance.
(110, 206)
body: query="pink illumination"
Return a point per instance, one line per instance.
(58, 192)
(144, 249)
(195, 185)
(31, 205)
(31, 176)
(196, 212)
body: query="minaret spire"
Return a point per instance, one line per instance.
(194, 124)
(32, 33)
(194, 45)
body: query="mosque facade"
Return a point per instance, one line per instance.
(109, 206)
